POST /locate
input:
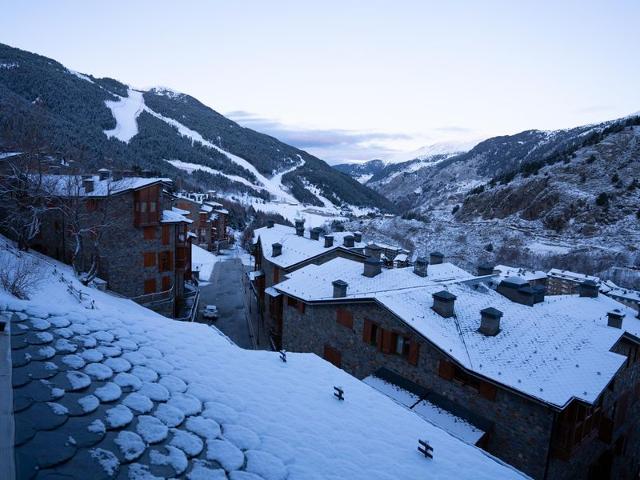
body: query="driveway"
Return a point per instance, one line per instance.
(226, 291)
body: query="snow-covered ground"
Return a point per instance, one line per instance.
(203, 261)
(191, 167)
(246, 411)
(126, 112)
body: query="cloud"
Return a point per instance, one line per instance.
(454, 129)
(334, 146)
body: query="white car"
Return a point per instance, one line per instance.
(210, 312)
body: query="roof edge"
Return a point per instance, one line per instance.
(7, 425)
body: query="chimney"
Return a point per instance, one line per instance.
(338, 227)
(443, 303)
(104, 173)
(436, 258)
(518, 290)
(421, 266)
(372, 250)
(315, 233)
(328, 241)
(300, 228)
(490, 321)
(339, 288)
(87, 183)
(270, 223)
(485, 269)
(348, 241)
(588, 288)
(372, 267)
(614, 318)
(277, 249)
(357, 237)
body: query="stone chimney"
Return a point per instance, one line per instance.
(338, 227)
(300, 228)
(328, 241)
(270, 223)
(315, 233)
(490, 321)
(372, 250)
(614, 318)
(357, 237)
(339, 288)
(518, 290)
(277, 249)
(421, 266)
(104, 173)
(588, 288)
(435, 258)
(372, 267)
(443, 303)
(485, 269)
(87, 183)
(348, 241)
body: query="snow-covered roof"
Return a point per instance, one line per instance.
(206, 208)
(181, 211)
(296, 249)
(174, 216)
(569, 275)
(505, 271)
(119, 391)
(554, 351)
(401, 257)
(222, 211)
(610, 288)
(72, 185)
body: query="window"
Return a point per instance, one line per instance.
(149, 233)
(371, 333)
(166, 283)
(344, 317)
(149, 259)
(164, 261)
(150, 286)
(402, 346)
(332, 355)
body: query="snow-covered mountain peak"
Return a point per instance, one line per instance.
(439, 148)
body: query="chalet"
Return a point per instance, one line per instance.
(550, 386)
(135, 236)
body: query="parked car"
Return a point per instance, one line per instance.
(210, 312)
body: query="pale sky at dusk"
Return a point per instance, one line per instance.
(351, 80)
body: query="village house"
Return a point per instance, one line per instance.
(142, 247)
(209, 217)
(550, 385)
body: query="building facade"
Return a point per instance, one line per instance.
(210, 220)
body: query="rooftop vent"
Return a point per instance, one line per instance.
(519, 291)
(87, 183)
(277, 249)
(588, 288)
(443, 303)
(270, 223)
(315, 233)
(490, 321)
(485, 269)
(338, 227)
(104, 173)
(436, 258)
(372, 267)
(357, 237)
(328, 241)
(372, 250)
(339, 288)
(348, 241)
(421, 266)
(614, 318)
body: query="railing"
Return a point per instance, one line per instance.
(193, 312)
(155, 297)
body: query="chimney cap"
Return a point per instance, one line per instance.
(491, 312)
(486, 265)
(615, 313)
(339, 283)
(444, 295)
(103, 169)
(437, 254)
(422, 260)
(276, 244)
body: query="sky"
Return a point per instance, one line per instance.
(356, 80)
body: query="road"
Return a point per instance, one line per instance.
(226, 291)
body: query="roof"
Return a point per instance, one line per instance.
(555, 351)
(528, 275)
(117, 390)
(568, 275)
(72, 185)
(297, 249)
(174, 216)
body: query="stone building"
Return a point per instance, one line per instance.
(553, 384)
(142, 247)
(280, 249)
(209, 217)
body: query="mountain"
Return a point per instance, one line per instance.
(101, 122)
(439, 148)
(362, 172)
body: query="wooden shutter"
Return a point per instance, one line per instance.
(149, 259)
(332, 355)
(276, 275)
(414, 352)
(487, 390)
(387, 341)
(366, 331)
(150, 286)
(165, 234)
(344, 317)
(445, 369)
(301, 306)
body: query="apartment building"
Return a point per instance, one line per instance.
(210, 220)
